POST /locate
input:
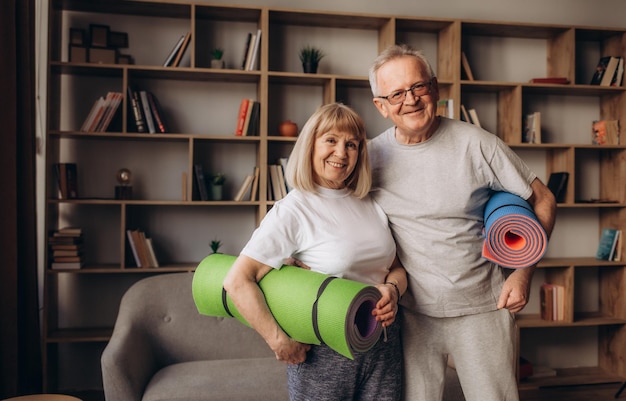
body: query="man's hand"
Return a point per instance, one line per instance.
(516, 290)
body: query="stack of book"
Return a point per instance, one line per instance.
(552, 297)
(143, 251)
(609, 71)
(146, 112)
(66, 248)
(277, 185)
(251, 56)
(102, 112)
(248, 118)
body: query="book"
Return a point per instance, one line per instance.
(182, 50)
(605, 132)
(550, 80)
(114, 101)
(96, 108)
(147, 113)
(247, 117)
(136, 109)
(252, 125)
(283, 162)
(201, 182)
(250, 51)
(277, 193)
(245, 51)
(546, 301)
(532, 128)
(157, 113)
(610, 71)
(605, 70)
(241, 116)
(254, 57)
(600, 70)
(474, 117)
(244, 188)
(255, 184)
(464, 115)
(67, 180)
(619, 73)
(133, 247)
(617, 257)
(607, 244)
(154, 262)
(552, 302)
(557, 184)
(67, 265)
(172, 54)
(281, 180)
(466, 67)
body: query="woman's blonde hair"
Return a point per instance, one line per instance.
(335, 117)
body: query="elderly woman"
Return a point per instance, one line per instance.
(328, 223)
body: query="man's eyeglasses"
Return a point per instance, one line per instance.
(418, 90)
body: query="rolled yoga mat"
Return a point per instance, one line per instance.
(514, 238)
(311, 307)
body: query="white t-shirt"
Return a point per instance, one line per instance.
(331, 231)
(434, 194)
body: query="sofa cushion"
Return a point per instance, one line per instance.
(223, 380)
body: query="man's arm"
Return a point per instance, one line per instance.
(516, 289)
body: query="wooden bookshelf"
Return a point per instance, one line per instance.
(201, 106)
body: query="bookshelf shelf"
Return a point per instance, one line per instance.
(201, 106)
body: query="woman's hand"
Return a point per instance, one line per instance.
(289, 351)
(387, 306)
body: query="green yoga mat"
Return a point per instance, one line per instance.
(312, 308)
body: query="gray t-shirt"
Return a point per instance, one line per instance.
(434, 194)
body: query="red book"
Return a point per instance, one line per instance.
(241, 117)
(550, 80)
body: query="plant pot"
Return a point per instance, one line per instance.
(217, 63)
(309, 68)
(216, 192)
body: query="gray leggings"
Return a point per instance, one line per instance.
(327, 375)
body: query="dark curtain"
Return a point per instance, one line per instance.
(20, 344)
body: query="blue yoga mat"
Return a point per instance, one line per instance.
(514, 238)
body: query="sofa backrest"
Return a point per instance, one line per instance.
(162, 307)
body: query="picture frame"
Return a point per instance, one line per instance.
(118, 39)
(98, 55)
(77, 36)
(77, 54)
(124, 59)
(99, 35)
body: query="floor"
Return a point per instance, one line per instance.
(596, 392)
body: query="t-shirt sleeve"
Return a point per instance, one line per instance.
(275, 239)
(511, 172)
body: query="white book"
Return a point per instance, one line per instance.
(245, 187)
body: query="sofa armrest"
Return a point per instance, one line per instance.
(128, 364)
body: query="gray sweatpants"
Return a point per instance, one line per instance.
(483, 349)
(375, 375)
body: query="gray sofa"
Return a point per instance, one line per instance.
(162, 349)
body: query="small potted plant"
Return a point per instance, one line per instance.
(216, 61)
(310, 57)
(215, 245)
(217, 185)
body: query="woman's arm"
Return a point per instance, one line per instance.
(392, 289)
(241, 284)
